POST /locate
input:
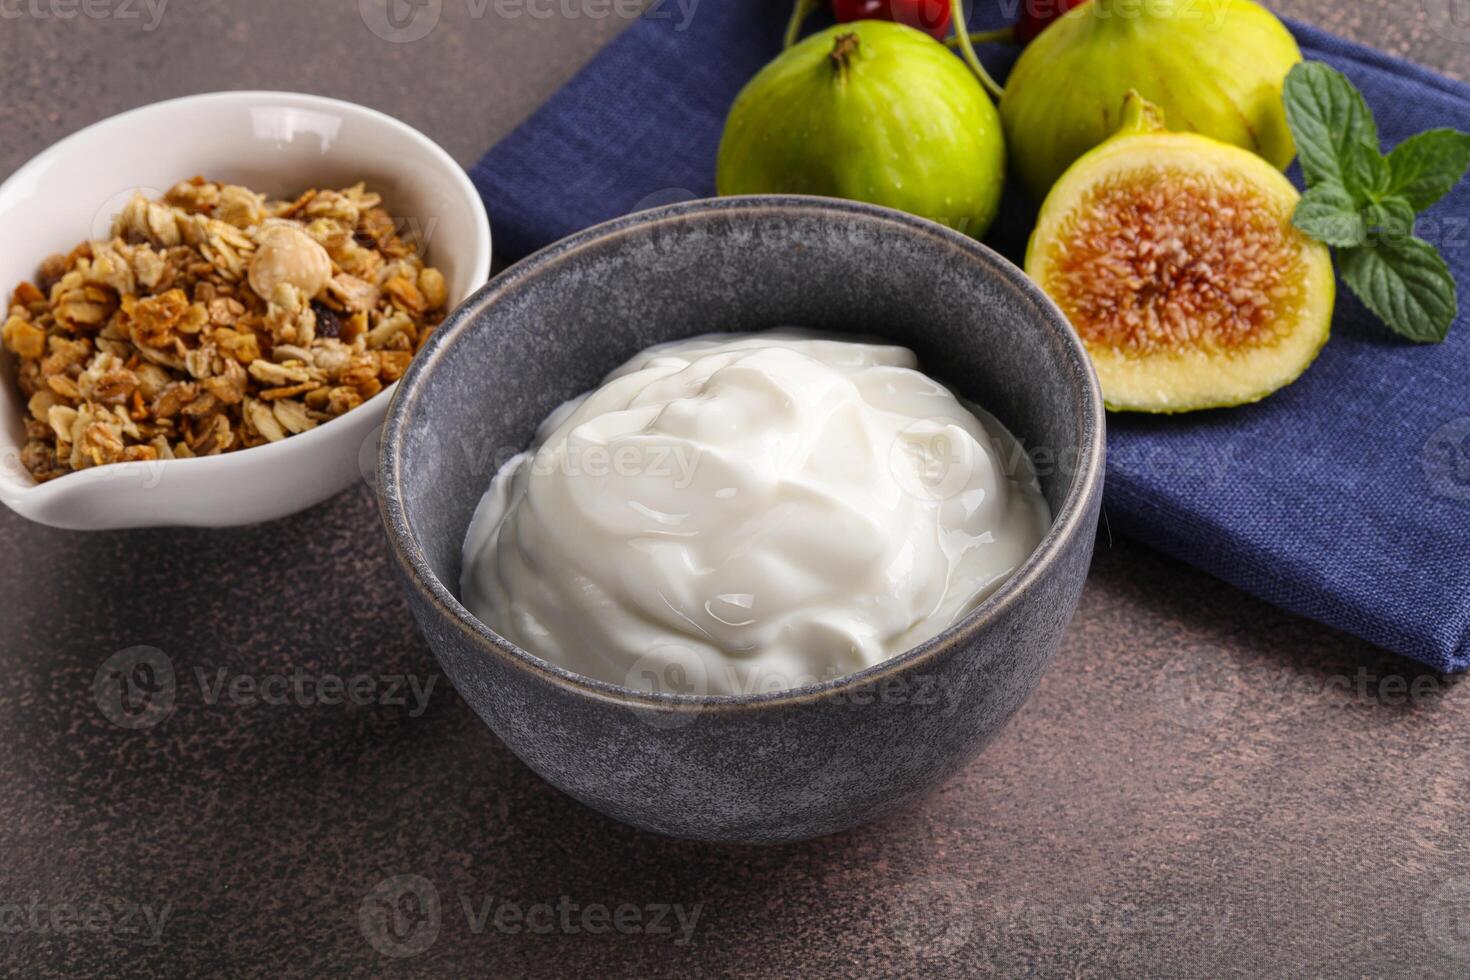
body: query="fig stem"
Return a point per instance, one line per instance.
(843, 48)
(962, 34)
(1140, 116)
(1006, 35)
(799, 15)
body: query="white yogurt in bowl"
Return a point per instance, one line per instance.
(740, 514)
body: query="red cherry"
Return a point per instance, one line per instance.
(930, 16)
(1037, 16)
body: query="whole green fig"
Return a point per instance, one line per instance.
(1216, 67)
(870, 111)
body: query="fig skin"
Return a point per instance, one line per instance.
(890, 117)
(1190, 377)
(1217, 69)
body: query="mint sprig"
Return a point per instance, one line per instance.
(1366, 205)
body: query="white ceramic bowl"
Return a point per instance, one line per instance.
(276, 142)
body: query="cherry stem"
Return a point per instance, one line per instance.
(799, 15)
(1005, 35)
(962, 33)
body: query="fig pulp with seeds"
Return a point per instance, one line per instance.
(1175, 259)
(1215, 68)
(870, 111)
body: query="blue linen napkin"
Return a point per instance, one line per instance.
(1344, 498)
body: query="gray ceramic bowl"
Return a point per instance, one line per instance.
(760, 768)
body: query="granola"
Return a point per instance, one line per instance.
(215, 319)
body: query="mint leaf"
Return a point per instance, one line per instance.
(1330, 214)
(1392, 217)
(1407, 283)
(1366, 172)
(1426, 167)
(1366, 205)
(1328, 119)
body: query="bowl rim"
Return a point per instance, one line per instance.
(1066, 525)
(304, 441)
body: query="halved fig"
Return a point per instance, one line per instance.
(1175, 258)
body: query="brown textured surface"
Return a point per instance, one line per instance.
(1202, 786)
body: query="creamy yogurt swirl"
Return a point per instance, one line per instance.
(737, 514)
